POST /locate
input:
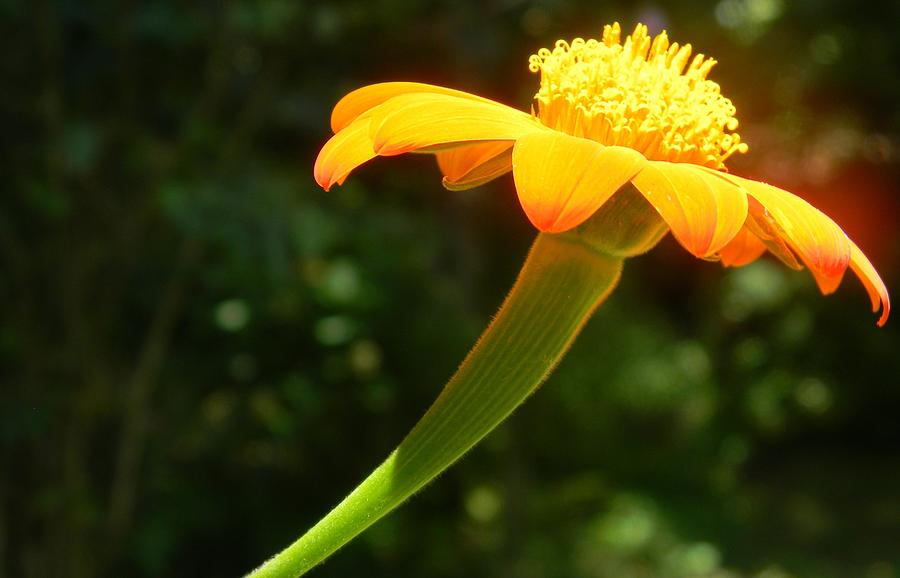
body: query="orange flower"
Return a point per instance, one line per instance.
(608, 113)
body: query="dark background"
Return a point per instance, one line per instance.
(201, 352)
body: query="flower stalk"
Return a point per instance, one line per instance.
(628, 143)
(561, 283)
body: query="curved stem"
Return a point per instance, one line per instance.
(558, 288)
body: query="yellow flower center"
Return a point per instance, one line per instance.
(637, 94)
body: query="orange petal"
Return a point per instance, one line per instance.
(345, 151)
(471, 166)
(426, 121)
(562, 180)
(368, 97)
(763, 226)
(872, 282)
(816, 239)
(742, 250)
(704, 211)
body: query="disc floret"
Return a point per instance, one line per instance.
(642, 93)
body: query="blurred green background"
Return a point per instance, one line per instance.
(201, 352)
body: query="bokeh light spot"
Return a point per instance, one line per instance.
(748, 19)
(483, 504)
(698, 559)
(630, 524)
(232, 315)
(814, 396)
(335, 330)
(365, 358)
(758, 287)
(341, 283)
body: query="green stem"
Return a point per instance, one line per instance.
(558, 288)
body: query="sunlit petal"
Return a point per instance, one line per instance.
(763, 226)
(345, 151)
(363, 99)
(457, 162)
(562, 180)
(742, 250)
(704, 211)
(421, 121)
(471, 166)
(816, 239)
(875, 287)
(608, 110)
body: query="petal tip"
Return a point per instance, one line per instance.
(322, 179)
(323, 173)
(885, 312)
(874, 286)
(885, 304)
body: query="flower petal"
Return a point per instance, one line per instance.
(872, 282)
(704, 211)
(368, 97)
(764, 227)
(471, 166)
(816, 239)
(562, 180)
(345, 151)
(742, 250)
(427, 121)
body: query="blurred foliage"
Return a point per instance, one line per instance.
(201, 352)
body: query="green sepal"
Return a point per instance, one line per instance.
(625, 226)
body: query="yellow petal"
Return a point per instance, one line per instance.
(345, 151)
(562, 180)
(471, 166)
(764, 227)
(420, 121)
(368, 97)
(457, 162)
(816, 239)
(742, 250)
(704, 211)
(871, 281)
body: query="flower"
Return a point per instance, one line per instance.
(609, 112)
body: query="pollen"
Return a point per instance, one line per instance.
(644, 93)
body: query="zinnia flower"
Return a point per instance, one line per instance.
(608, 113)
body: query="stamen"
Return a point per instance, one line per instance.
(637, 94)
